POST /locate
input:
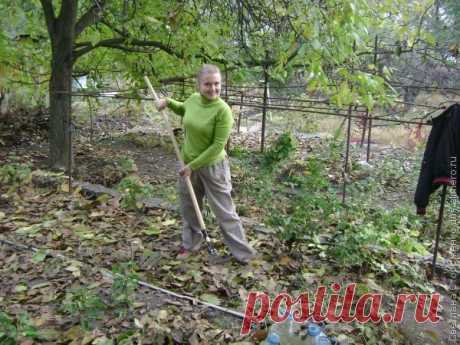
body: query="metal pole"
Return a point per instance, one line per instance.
(364, 127)
(264, 110)
(241, 110)
(347, 154)
(368, 154)
(226, 84)
(438, 229)
(91, 132)
(69, 166)
(227, 146)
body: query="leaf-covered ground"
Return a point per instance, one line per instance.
(60, 294)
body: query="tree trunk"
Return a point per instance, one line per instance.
(60, 109)
(62, 33)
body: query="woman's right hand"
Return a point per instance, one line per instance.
(161, 104)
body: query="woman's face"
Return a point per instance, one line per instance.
(209, 85)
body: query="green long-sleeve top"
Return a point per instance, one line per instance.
(207, 125)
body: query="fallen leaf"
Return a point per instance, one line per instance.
(39, 256)
(169, 222)
(30, 230)
(20, 287)
(65, 187)
(210, 298)
(74, 267)
(152, 230)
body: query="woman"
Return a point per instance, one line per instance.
(208, 121)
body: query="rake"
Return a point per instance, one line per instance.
(211, 250)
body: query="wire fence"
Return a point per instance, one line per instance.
(255, 102)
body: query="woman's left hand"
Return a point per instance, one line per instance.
(185, 171)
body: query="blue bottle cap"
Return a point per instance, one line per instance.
(313, 329)
(273, 339)
(323, 340)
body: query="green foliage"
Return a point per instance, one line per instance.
(124, 284)
(15, 175)
(304, 207)
(8, 330)
(86, 305)
(310, 205)
(127, 165)
(302, 220)
(366, 235)
(11, 329)
(296, 33)
(133, 190)
(352, 244)
(239, 152)
(283, 147)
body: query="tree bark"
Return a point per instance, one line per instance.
(62, 33)
(60, 109)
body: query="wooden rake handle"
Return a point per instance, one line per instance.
(188, 182)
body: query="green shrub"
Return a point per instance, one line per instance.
(86, 305)
(366, 235)
(124, 284)
(239, 152)
(15, 175)
(8, 330)
(127, 165)
(133, 190)
(11, 330)
(280, 150)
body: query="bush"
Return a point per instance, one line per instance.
(124, 285)
(366, 236)
(11, 330)
(15, 175)
(85, 304)
(133, 190)
(280, 150)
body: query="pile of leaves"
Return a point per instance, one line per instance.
(23, 126)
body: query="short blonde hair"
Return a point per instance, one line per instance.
(205, 69)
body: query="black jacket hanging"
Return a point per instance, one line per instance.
(441, 157)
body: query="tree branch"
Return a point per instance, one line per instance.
(49, 15)
(92, 16)
(68, 12)
(124, 44)
(65, 23)
(114, 29)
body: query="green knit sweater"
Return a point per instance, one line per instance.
(207, 127)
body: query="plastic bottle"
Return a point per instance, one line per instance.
(272, 339)
(316, 336)
(288, 331)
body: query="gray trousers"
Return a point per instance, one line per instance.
(215, 182)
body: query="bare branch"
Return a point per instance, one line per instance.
(92, 16)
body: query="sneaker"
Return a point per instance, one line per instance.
(183, 253)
